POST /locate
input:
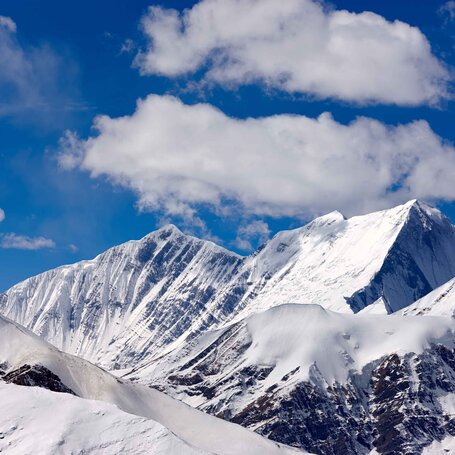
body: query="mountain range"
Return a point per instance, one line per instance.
(141, 299)
(334, 338)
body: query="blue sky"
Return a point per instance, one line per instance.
(80, 55)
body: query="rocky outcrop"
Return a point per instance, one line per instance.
(36, 376)
(325, 382)
(398, 412)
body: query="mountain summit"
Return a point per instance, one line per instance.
(127, 302)
(388, 259)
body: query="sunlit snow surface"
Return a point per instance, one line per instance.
(36, 421)
(440, 302)
(192, 427)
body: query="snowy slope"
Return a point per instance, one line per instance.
(393, 257)
(114, 309)
(36, 421)
(320, 380)
(447, 446)
(147, 297)
(440, 302)
(304, 337)
(19, 347)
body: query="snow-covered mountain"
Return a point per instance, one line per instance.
(388, 258)
(143, 420)
(145, 298)
(327, 382)
(440, 302)
(216, 330)
(127, 302)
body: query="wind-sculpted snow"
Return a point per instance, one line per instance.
(144, 298)
(323, 381)
(301, 339)
(172, 424)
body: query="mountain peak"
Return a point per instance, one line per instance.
(420, 205)
(425, 212)
(169, 228)
(330, 218)
(164, 232)
(423, 248)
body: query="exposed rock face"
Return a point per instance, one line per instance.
(325, 382)
(394, 407)
(36, 376)
(330, 421)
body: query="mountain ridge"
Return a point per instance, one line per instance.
(141, 299)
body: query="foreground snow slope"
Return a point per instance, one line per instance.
(37, 421)
(323, 381)
(144, 298)
(18, 347)
(440, 302)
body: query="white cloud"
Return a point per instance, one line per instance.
(22, 242)
(73, 248)
(298, 46)
(448, 10)
(70, 151)
(256, 231)
(33, 78)
(178, 157)
(8, 24)
(2, 215)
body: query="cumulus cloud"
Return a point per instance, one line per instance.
(179, 158)
(32, 78)
(22, 242)
(257, 232)
(299, 46)
(2, 215)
